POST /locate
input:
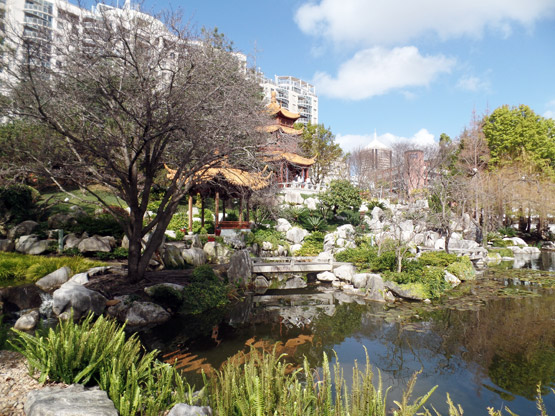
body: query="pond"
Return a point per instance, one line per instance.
(487, 346)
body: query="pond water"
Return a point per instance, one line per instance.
(488, 346)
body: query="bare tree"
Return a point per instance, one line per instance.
(128, 93)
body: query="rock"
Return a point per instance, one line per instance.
(195, 256)
(329, 241)
(326, 277)
(403, 291)
(74, 400)
(96, 243)
(346, 232)
(439, 244)
(61, 220)
(516, 241)
(374, 224)
(375, 288)
(79, 278)
(98, 270)
(54, 280)
(78, 297)
(283, 225)
(6, 245)
(236, 242)
(27, 322)
(296, 235)
(359, 280)
(171, 257)
(295, 283)
(240, 268)
(450, 278)
(345, 272)
(18, 298)
(145, 314)
(377, 214)
(25, 228)
(216, 252)
(311, 203)
(295, 247)
(267, 246)
(261, 282)
(150, 290)
(182, 409)
(72, 240)
(31, 244)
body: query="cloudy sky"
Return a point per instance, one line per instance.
(401, 70)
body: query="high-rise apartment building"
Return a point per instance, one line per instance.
(295, 95)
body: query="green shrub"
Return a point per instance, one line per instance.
(463, 269)
(386, 261)
(179, 221)
(313, 244)
(104, 224)
(206, 291)
(437, 258)
(119, 253)
(428, 281)
(18, 203)
(362, 257)
(294, 214)
(167, 296)
(507, 231)
(22, 268)
(313, 222)
(270, 235)
(503, 252)
(99, 352)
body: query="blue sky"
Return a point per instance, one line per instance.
(407, 70)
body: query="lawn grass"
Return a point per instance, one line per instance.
(18, 269)
(87, 201)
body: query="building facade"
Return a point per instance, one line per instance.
(295, 95)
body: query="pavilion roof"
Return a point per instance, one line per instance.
(291, 158)
(234, 176)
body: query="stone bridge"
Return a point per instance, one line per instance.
(293, 265)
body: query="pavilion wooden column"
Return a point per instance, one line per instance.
(190, 213)
(248, 207)
(201, 211)
(217, 209)
(241, 208)
(223, 209)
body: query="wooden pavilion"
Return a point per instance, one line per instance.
(225, 183)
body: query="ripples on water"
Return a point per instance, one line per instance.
(483, 347)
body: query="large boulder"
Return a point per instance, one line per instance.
(194, 256)
(28, 321)
(345, 272)
(171, 257)
(375, 288)
(295, 283)
(6, 245)
(451, 279)
(25, 228)
(72, 240)
(347, 232)
(240, 268)
(54, 280)
(359, 280)
(79, 298)
(296, 235)
(216, 252)
(311, 203)
(61, 220)
(96, 243)
(145, 314)
(74, 400)
(18, 298)
(182, 409)
(404, 291)
(31, 244)
(516, 241)
(377, 214)
(326, 277)
(283, 225)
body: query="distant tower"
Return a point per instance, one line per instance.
(379, 155)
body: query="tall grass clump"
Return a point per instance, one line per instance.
(24, 268)
(98, 352)
(261, 383)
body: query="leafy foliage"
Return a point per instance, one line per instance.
(98, 352)
(206, 291)
(270, 235)
(318, 142)
(21, 268)
(18, 203)
(341, 195)
(313, 244)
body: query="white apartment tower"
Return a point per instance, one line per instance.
(295, 95)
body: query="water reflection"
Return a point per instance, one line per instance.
(545, 260)
(484, 350)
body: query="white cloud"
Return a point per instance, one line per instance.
(377, 70)
(550, 113)
(350, 142)
(471, 83)
(370, 22)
